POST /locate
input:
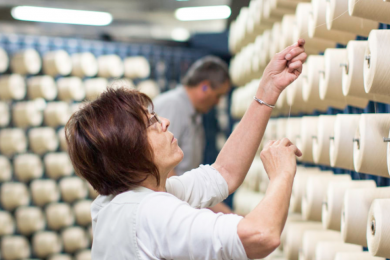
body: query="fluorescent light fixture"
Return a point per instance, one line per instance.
(180, 34)
(203, 13)
(56, 15)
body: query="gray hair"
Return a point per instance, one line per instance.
(209, 68)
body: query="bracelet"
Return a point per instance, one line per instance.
(261, 102)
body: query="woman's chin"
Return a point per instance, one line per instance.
(176, 157)
(180, 155)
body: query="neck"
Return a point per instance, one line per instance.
(151, 183)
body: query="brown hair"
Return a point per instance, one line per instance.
(108, 143)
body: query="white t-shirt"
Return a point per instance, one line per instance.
(171, 225)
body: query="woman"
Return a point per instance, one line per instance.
(126, 153)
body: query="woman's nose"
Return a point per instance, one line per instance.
(164, 123)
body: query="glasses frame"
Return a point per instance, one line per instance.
(154, 119)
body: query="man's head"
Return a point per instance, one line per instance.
(207, 80)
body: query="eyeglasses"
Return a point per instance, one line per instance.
(154, 119)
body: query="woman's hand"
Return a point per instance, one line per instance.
(279, 158)
(283, 69)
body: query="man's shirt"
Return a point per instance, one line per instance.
(186, 125)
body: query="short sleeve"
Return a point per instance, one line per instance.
(170, 229)
(201, 188)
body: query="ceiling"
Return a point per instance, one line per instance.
(133, 19)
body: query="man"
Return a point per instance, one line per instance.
(205, 83)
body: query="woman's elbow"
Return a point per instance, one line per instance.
(275, 243)
(259, 244)
(264, 248)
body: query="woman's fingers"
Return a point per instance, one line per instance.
(301, 42)
(296, 151)
(301, 57)
(268, 144)
(294, 53)
(297, 45)
(282, 55)
(296, 65)
(285, 142)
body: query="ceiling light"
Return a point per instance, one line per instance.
(56, 15)
(203, 13)
(180, 34)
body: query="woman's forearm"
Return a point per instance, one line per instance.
(260, 230)
(275, 204)
(237, 154)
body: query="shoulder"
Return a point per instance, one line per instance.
(159, 200)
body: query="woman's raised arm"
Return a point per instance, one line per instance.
(236, 156)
